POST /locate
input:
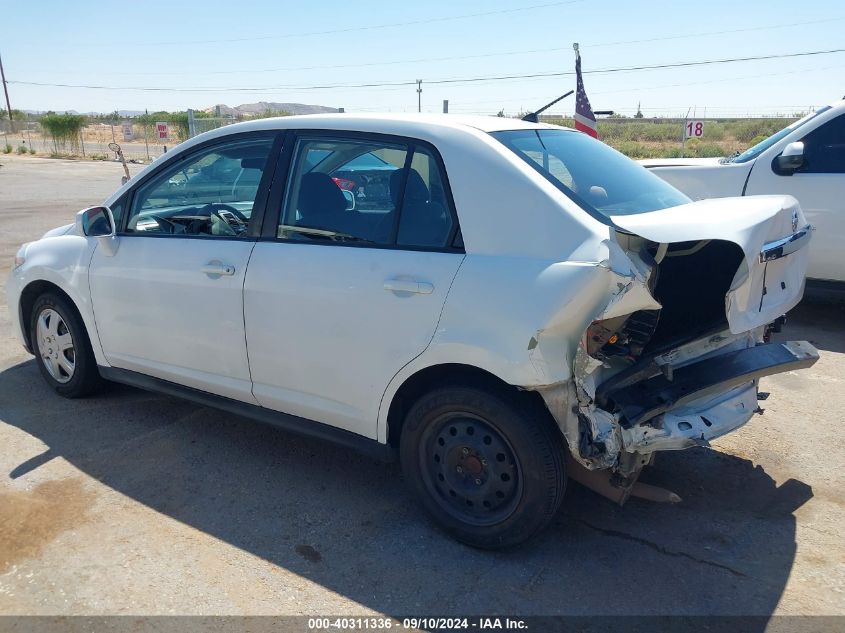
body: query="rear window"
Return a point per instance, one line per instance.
(598, 178)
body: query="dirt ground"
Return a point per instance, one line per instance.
(135, 503)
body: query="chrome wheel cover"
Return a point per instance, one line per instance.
(55, 345)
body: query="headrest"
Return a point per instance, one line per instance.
(319, 195)
(415, 188)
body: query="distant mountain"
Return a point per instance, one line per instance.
(263, 106)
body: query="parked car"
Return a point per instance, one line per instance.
(805, 160)
(527, 305)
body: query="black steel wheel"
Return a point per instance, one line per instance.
(471, 469)
(487, 466)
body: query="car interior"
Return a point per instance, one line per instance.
(352, 194)
(213, 195)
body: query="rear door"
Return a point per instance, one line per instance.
(348, 281)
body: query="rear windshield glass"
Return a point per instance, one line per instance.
(598, 178)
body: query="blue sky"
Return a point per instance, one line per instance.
(280, 48)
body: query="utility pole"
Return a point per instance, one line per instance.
(6, 90)
(419, 95)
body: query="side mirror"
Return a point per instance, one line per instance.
(98, 222)
(790, 159)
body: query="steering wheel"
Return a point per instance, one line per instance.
(221, 206)
(215, 207)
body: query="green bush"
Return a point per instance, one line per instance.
(744, 131)
(32, 150)
(758, 139)
(714, 131)
(21, 149)
(632, 149)
(709, 150)
(64, 129)
(7, 149)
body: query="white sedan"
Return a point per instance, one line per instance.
(501, 304)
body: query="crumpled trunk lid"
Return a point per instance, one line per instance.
(772, 233)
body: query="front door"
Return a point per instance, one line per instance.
(169, 302)
(819, 186)
(348, 285)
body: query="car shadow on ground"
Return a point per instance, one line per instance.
(347, 523)
(819, 321)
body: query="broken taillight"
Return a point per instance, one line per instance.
(624, 336)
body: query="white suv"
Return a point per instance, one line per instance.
(501, 304)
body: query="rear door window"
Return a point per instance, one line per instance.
(367, 192)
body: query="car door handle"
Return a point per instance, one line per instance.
(409, 285)
(216, 268)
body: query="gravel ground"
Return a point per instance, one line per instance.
(134, 503)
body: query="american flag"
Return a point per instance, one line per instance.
(585, 120)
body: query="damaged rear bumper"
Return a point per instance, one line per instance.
(643, 401)
(670, 408)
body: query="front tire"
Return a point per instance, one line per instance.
(487, 465)
(62, 348)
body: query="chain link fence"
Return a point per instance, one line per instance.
(140, 141)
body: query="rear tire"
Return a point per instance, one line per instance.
(487, 465)
(62, 348)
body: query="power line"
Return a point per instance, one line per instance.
(623, 69)
(705, 34)
(455, 80)
(469, 57)
(371, 27)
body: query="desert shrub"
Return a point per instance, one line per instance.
(632, 149)
(267, 114)
(744, 131)
(709, 150)
(7, 149)
(757, 139)
(611, 131)
(565, 122)
(714, 131)
(32, 150)
(64, 130)
(21, 149)
(99, 157)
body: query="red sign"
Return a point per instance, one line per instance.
(161, 131)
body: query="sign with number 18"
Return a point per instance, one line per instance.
(694, 129)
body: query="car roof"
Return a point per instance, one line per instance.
(410, 124)
(427, 127)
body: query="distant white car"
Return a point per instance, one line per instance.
(805, 160)
(501, 303)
